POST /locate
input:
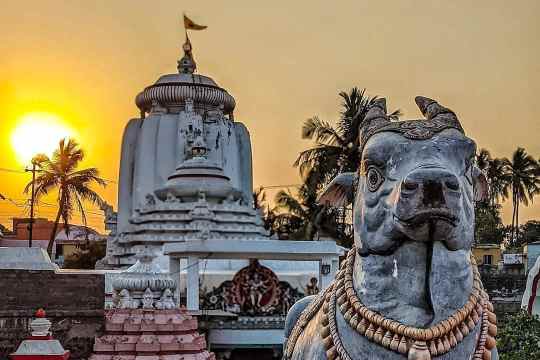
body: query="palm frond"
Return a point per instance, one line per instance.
(285, 201)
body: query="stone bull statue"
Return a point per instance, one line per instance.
(409, 288)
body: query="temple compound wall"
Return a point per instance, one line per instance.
(73, 301)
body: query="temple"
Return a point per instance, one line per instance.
(185, 202)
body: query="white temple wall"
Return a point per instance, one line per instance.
(145, 165)
(245, 168)
(169, 152)
(127, 163)
(152, 149)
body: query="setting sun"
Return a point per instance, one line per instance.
(38, 132)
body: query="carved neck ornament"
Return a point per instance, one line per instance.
(415, 343)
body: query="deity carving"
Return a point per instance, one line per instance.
(148, 299)
(150, 200)
(254, 291)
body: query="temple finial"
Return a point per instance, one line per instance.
(187, 64)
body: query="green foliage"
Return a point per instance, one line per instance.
(85, 257)
(519, 337)
(517, 179)
(334, 150)
(488, 227)
(528, 233)
(299, 216)
(268, 215)
(336, 147)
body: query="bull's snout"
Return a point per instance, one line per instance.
(430, 187)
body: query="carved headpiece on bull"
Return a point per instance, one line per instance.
(409, 288)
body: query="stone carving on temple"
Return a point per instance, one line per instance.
(144, 285)
(254, 291)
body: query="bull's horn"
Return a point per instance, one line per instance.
(430, 108)
(377, 110)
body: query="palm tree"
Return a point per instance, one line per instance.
(302, 218)
(497, 177)
(336, 147)
(483, 159)
(268, 214)
(524, 180)
(74, 186)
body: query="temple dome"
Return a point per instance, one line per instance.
(172, 90)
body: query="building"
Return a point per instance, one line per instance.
(65, 242)
(185, 197)
(488, 254)
(532, 252)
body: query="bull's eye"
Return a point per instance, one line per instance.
(374, 178)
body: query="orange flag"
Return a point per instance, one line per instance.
(191, 25)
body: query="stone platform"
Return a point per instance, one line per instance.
(140, 334)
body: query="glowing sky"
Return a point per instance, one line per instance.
(283, 61)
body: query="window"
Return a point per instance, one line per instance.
(488, 259)
(59, 250)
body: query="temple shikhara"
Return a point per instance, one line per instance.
(185, 207)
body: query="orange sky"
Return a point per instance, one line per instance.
(283, 61)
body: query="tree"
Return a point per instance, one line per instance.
(519, 337)
(268, 214)
(336, 147)
(302, 218)
(497, 177)
(523, 177)
(528, 233)
(73, 186)
(86, 256)
(488, 227)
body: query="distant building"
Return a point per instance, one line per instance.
(532, 252)
(514, 263)
(487, 254)
(65, 242)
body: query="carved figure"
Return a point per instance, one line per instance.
(166, 300)
(409, 288)
(148, 299)
(150, 200)
(126, 302)
(256, 288)
(170, 198)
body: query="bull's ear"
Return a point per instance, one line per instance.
(480, 185)
(339, 192)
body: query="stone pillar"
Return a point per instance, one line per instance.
(174, 270)
(192, 286)
(328, 267)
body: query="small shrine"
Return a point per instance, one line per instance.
(145, 321)
(40, 345)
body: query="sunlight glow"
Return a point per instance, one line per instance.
(38, 132)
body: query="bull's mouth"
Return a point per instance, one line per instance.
(424, 216)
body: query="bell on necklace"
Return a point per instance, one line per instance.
(419, 351)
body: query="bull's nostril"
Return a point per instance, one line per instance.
(409, 185)
(452, 184)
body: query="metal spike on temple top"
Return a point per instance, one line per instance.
(186, 64)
